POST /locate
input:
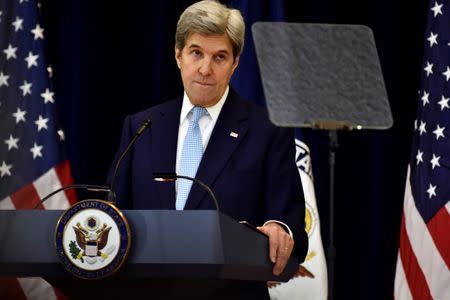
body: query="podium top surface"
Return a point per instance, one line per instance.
(316, 74)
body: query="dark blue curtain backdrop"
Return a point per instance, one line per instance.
(112, 58)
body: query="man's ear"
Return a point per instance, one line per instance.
(178, 57)
(236, 63)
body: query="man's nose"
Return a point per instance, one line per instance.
(205, 67)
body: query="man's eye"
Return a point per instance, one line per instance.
(196, 52)
(220, 58)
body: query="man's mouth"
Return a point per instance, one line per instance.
(203, 83)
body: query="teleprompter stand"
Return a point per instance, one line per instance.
(325, 77)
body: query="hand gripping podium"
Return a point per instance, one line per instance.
(191, 245)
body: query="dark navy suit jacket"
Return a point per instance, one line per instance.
(253, 175)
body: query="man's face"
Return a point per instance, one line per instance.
(206, 64)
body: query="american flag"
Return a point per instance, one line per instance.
(423, 262)
(31, 157)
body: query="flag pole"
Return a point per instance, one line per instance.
(333, 146)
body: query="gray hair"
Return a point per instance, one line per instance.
(210, 17)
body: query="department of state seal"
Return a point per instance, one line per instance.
(92, 239)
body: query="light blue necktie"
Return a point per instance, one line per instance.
(191, 156)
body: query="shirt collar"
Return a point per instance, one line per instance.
(213, 111)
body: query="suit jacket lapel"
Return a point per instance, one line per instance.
(220, 147)
(164, 149)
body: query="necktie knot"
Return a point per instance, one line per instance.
(197, 113)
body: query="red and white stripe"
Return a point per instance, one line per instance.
(26, 198)
(31, 288)
(424, 257)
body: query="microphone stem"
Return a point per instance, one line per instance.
(98, 188)
(203, 185)
(111, 195)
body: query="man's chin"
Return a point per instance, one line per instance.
(202, 100)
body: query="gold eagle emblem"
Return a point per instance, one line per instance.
(97, 239)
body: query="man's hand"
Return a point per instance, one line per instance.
(280, 245)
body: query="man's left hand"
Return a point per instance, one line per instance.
(280, 245)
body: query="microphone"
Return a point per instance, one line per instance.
(111, 194)
(89, 187)
(165, 177)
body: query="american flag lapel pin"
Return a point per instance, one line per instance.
(234, 134)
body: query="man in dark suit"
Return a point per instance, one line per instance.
(248, 162)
